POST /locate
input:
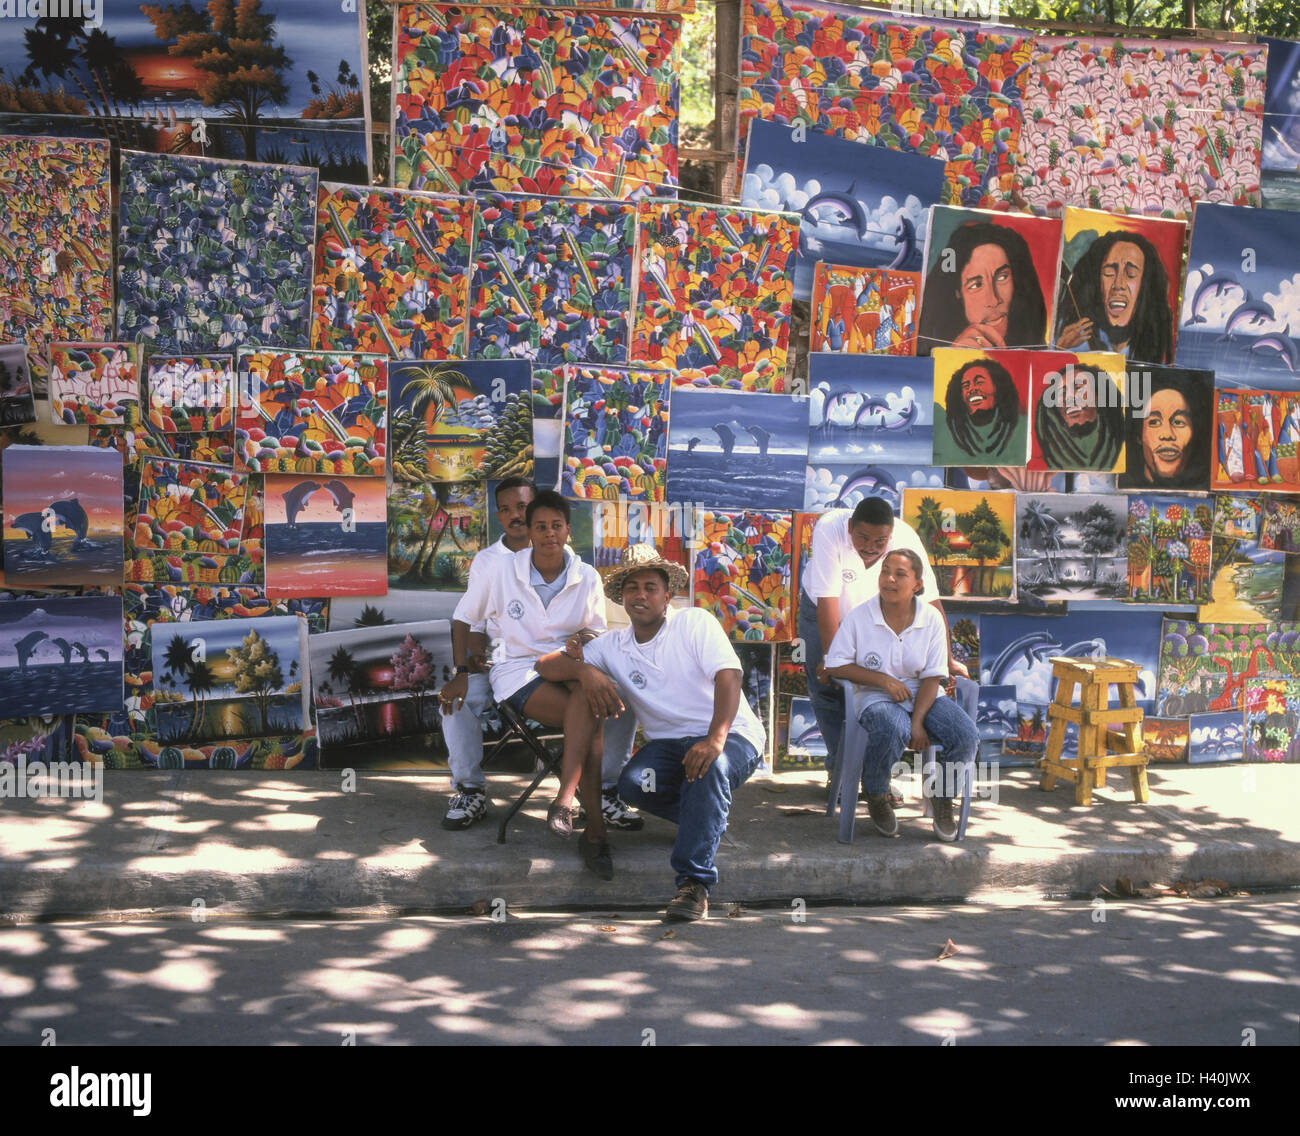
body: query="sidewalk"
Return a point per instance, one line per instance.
(262, 844)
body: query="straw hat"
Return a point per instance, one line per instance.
(637, 557)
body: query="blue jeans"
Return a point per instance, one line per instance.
(654, 781)
(827, 699)
(889, 731)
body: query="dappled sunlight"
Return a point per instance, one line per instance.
(184, 977)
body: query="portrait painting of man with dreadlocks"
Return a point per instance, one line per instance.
(1078, 421)
(981, 411)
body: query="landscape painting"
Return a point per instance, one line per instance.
(1272, 724)
(1248, 583)
(191, 394)
(1215, 738)
(94, 384)
(1169, 549)
(969, 537)
(1164, 740)
(230, 678)
(742, 573)
(864, 311)
(434, 532)
(60, 655)
(17, 406)
(1072, 546)
(1280, 158)
(62, 516)
(615, 434)
(981, 407)
(325, 537)
(1204, 666)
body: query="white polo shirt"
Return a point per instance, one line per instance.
(864, 638)
(479, 572)
(836, 569)
(526, 630)
(668, 681)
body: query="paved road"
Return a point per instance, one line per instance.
(1151, 972)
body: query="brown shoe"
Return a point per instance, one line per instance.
(945, 824)
(559, 820)
(882, 814)
(691, 902)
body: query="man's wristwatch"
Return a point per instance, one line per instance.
(462, 670)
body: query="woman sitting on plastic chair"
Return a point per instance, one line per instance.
(896, 652)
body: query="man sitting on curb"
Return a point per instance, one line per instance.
(681, 676)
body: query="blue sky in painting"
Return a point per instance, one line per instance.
(219, 635)
(95, 621)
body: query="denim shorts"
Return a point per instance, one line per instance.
(520, 698)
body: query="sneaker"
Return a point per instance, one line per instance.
(882, 814)
(616, 813)
(596, 857)
(559, 820)
(691, 902)
(467, 807)
(945, 824)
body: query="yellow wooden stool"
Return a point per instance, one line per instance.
(1100, 748)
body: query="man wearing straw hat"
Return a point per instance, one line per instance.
(680, 675)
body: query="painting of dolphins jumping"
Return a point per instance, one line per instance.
(326, 537)
(60, 655)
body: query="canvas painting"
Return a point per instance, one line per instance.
(714, 293)
(804, 747)
(461, 420)
(1248, 583)
(618, 524)
(995, 712)
(1170, 440)
(1072, 546)
(948, 91)
(1215, 738)
(321, 413)
(63, 516)
(1241, 306)
(325, 537)
(17, 406)
(56, 232)
(1280, 524)
(551, 280)
(864, 311)
(990, 280)
(981, 407)
(970, 539)
(1169, 553)
(1078, 411)
(392, 272)
(1205, 666)
(189, 507)
(434, 530)
(212, 254)
(397, 605)
(1164, 740)
(1280, 158)
(60, 655)
(742, 573)
(1236, 515)
(94, 384)
(1140, 125)
(1029, 738)
(1255, 436)
(538, 100)
(964, 639)
(615, 434)
(870, 430)
(742, 451)
(1272, 722)
(191, 394)
(377, 683)
(756, 666)
(230, 678)
(858, 205)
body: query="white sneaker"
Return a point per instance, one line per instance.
(466, 807)
(616, 813)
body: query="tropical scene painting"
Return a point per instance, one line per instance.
(434, 530)
(1169, 548)
(1272, 724)
(970, 539)
(1248, 583)
(1164, 740)
(1204, 667)
(376, 683)
(229, 678)
(1029, 738)
(325, 536)
(864, 311)
(1071, 546)
(62, 516)
(615, 434)
(60, 655)
(16, 403)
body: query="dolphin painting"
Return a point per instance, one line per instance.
(33, 524)
(1282, 345)
(1212, 285)
(761, 436)
(725, 436)
(1246, 314)
(296, 499)
(25, 646)
(72, 516)
(906, 238)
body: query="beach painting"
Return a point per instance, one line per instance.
(17, 405)
(325, 536)
(1248, 583)
(1072, 546)
(737, 450)
(864, 311)
(969, 537)
(1164, 740)
(60, 655)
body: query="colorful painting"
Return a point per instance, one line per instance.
(460, 420)
(1164, 740)
(1204, 666)
(191, 394)
(970, 539)
(392, 272)
(864, 311)
(395, 606)
(714, 293)
(981, 407)
(1170, 437)
(1240, 314)
(1169, 553)
(951, 92)
(964, 640)
(756, 667)
(1236, 515)
(94, 384)
(56, 238)
(325, 537)
(377, 683)
(870, 430)
(1140, 125)
(1248, 582)
(617, 524)
(995, 713)
(1256, 434)
(230, 678)
(742, 573)
(552, 280)
(1272, 724)
(1072, 546)
(60, 655)
(1029, 735)
(534, 99)
(1280, 161)
(211, 254)
(322, 413)
(990, 280)
(615, 434)
(1120, 275)
(800, 744)
(63, 516)
(1078, 420)
(857, 204)
(16, 404)
(738, 451)
(188, 507)
(1280, 524)
(434, 530)
(1215, 738)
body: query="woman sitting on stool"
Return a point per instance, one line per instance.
(896, 651)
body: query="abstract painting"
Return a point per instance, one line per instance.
(1205, 666)
(212, 253)
(615, 434)
(434, 530)
(1072, 546)
(461, 420)
(737, 451)
(536, 100)
(392, 272)
(742, 573)
(949, 91)
(190, 394)
(60, 655)
(1280, 524)
(189, 507)
(857, 204)
(864, 311)
(551, 280)
(94, 384)
(63, 516)
(16, 404)
(1215, 738)
(1164, 740)
(714, 293)
(1272, 723)
(969, 537)
(1169, 553)
(1256, 434)
(1170, 439)
(981, 407)
(322, 413)
(325, 537)
(1077, 414)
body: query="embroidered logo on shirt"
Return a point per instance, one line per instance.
(849, 575)
(637, 679)
(872, 662)
(515, 610)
